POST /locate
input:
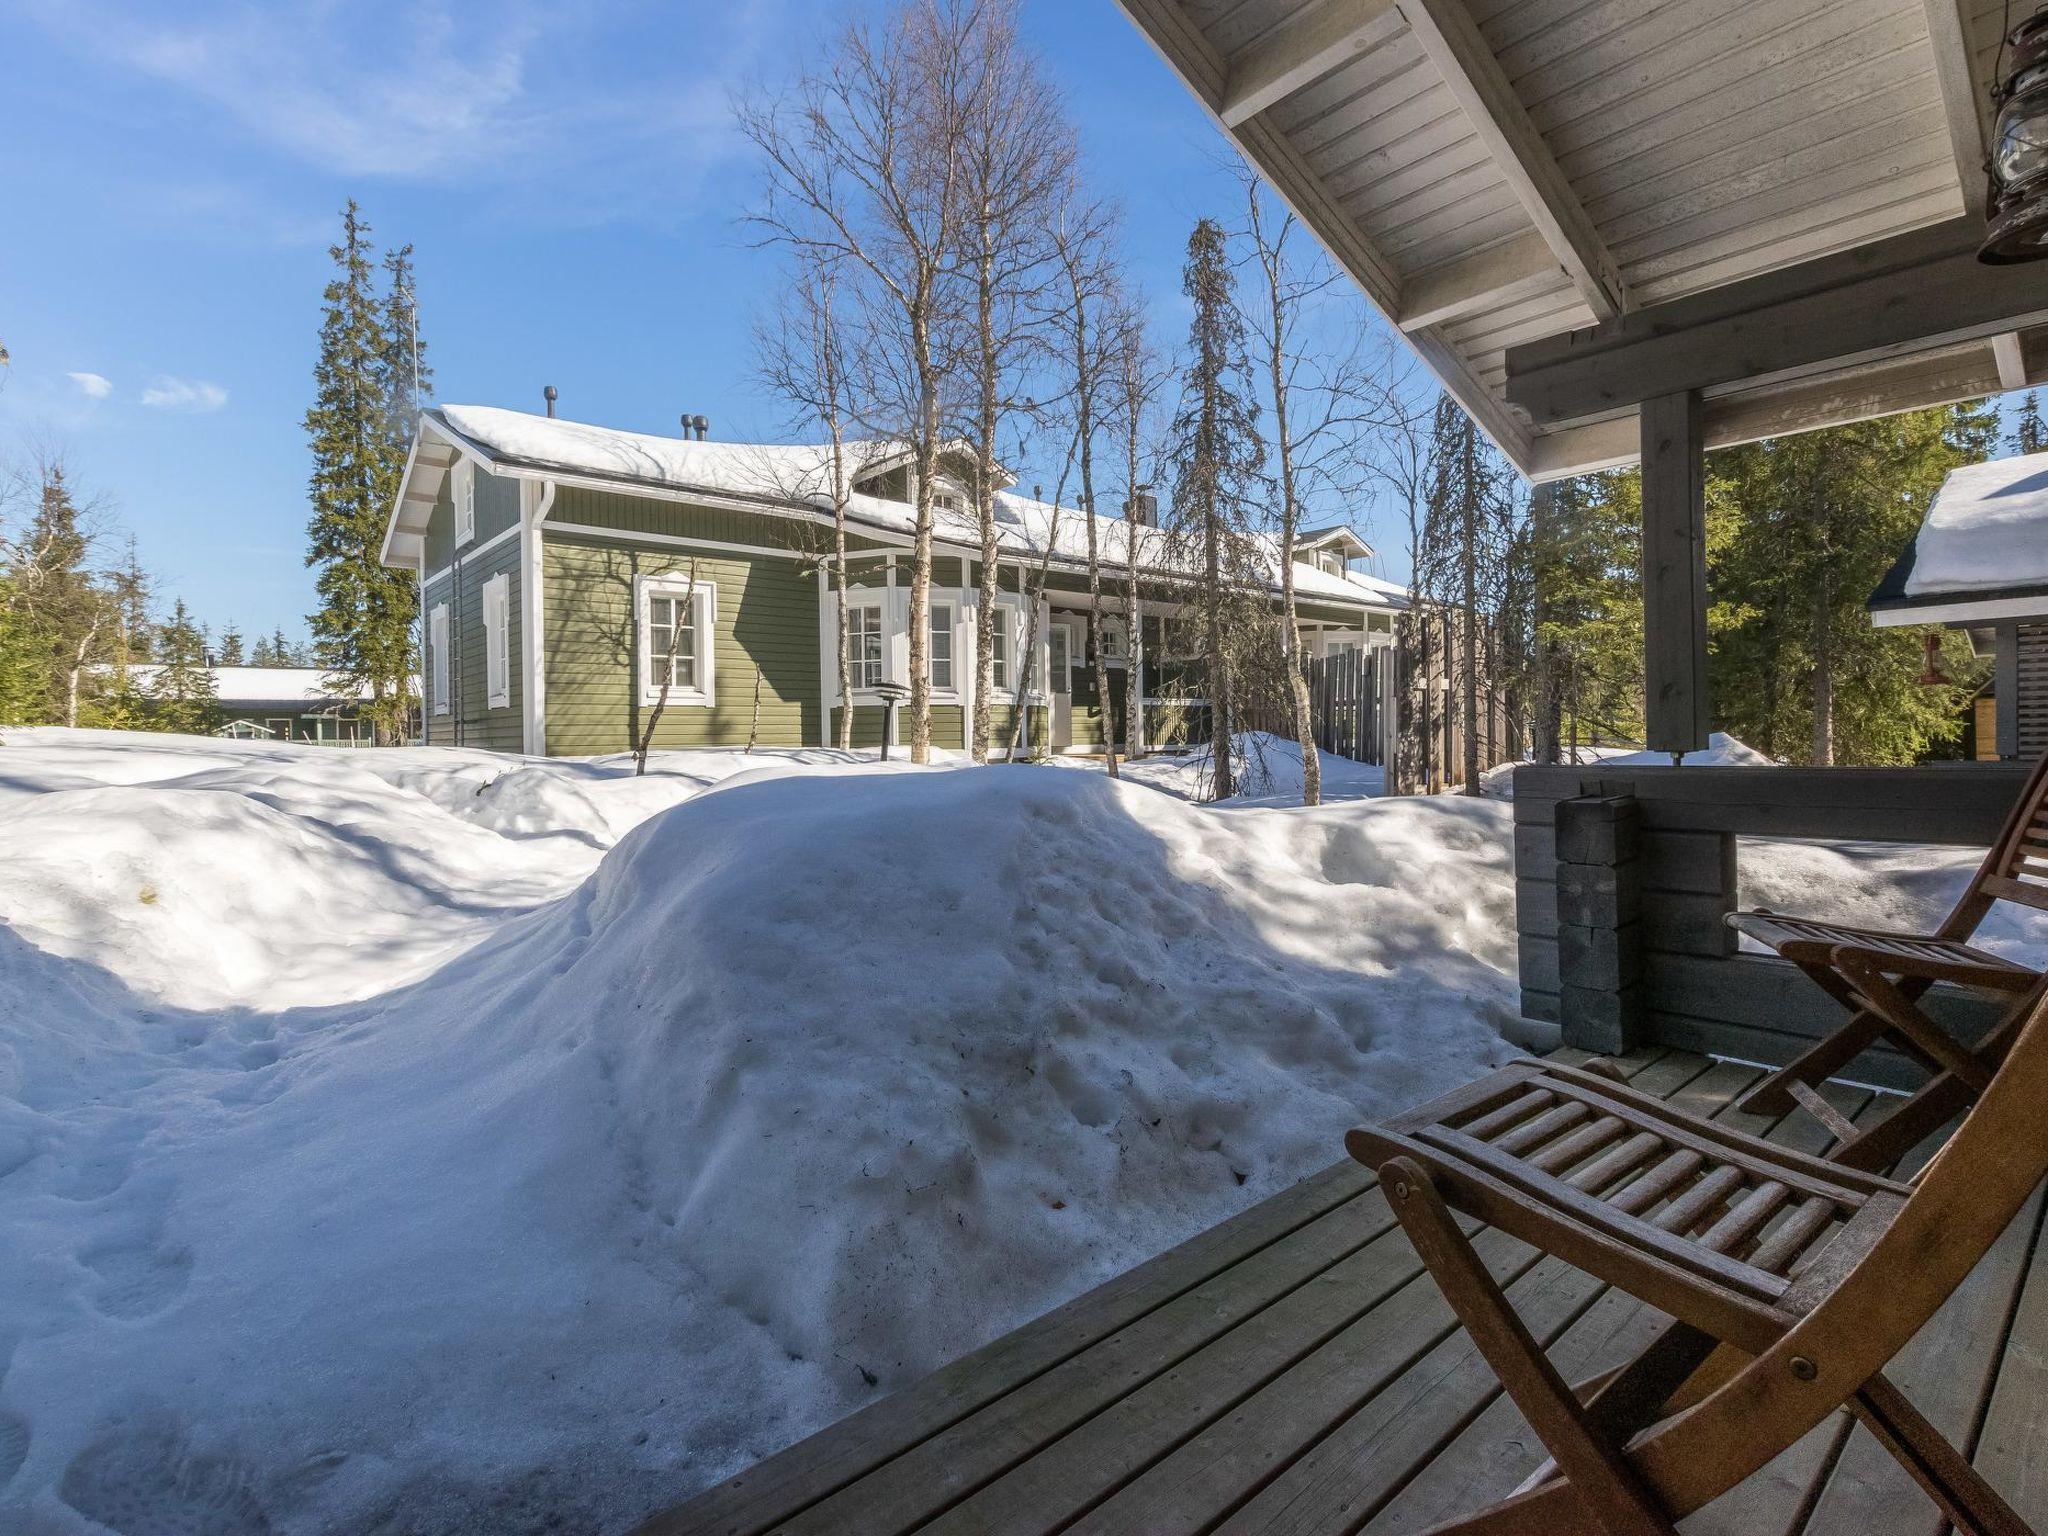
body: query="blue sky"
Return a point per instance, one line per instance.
(568, 176)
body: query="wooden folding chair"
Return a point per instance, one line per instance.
(1791, 1280)
(1880, 977)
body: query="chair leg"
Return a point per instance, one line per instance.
(1931, 1106)
(1594, 1468)
(1972, 1505)
(1908, 1026)
(1634, 1396)
(1816, 1064)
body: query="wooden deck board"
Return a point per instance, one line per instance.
(1294, 1371)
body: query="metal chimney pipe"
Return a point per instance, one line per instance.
(549, 395)
(703, 427)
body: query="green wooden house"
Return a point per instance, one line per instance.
(278, 704)
(562, 566)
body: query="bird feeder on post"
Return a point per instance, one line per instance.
(891, 694)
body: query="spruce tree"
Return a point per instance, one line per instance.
(182, 695)
(2029, 435)
(63, 609)
(1216, 455)
(1799, 530)
(358, 428)
(229, 652)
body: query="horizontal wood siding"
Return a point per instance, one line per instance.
(474, 723)
(2032, 696)
(767, 615)
(497, 508)
(867, 726)
(676, 519)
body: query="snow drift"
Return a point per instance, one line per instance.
(604, 1169)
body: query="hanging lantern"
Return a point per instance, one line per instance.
(1931, 675)
(2019, 149)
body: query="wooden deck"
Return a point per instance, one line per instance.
(1294, 1371)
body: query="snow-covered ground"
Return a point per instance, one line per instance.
(434, 1141)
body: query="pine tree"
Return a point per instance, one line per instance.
(64, 611)
(1799, 529)
(2029, 435)
(182, 695)
(359, 427)
(1216, 455)
(1588, 570)
(229, 651)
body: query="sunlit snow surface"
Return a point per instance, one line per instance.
(432, 1141)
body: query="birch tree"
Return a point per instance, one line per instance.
(803, 354)
(1017, 153)
(1086, 295)
(1138, 378)
(864, 168)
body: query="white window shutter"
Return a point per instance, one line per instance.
(437, 642)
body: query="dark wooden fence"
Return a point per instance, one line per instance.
(1622, 877)
(1352, 704)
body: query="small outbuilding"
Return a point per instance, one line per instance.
(1980, 563)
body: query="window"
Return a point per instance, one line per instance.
(437, 647)
(942, 645)
(999, 651)
(676, 625)
(497, 651)
(864, 644)
(463, 492)
(1062, 666)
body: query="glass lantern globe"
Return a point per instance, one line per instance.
(2019, 150)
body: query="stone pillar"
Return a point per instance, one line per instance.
(1599, 927)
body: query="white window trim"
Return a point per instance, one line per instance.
(497, 642)
(1010, 620)
(704, 603)
(878, 600)
(950, 692)
(462, 493)
(437, 644)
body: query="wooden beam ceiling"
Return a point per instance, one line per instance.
(1306, 49)
(1515, 269)
(1453, 42)
(1890, 298)
(1964, 372)
(1964, 104)
(2011, 357)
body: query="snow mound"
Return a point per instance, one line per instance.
(1269, 770)
(645, 1161)
(1721, 751)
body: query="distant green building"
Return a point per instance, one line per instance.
(279, 704)
(564, 567)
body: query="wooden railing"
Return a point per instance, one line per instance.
(1623, 876)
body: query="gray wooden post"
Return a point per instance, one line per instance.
(2005, 690)
(1674, 573)
(1599, 931)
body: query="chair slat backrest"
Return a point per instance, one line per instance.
(2016, 868)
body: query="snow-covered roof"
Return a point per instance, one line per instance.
(797, 477)
(260, 685)
(1980, 554)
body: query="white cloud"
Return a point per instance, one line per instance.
(94, 386)
(514, 94)
(166, 393)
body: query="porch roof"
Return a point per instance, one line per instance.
(1568, 208)
(1980, 555)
